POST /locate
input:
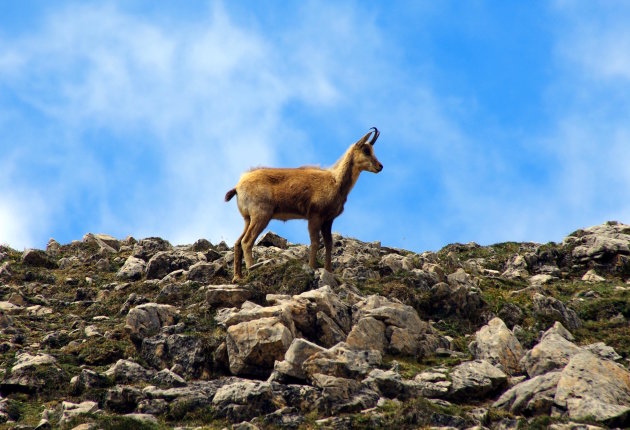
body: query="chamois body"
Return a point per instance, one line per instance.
(311, 193)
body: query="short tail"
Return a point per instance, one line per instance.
(230, 194)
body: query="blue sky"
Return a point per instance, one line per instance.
(499, 120)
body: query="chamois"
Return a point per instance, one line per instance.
(312, 193)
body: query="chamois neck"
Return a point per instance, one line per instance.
(345, 172)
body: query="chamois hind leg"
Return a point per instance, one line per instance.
(327, 235)
(314, 227)
(256, 226)
(238, 253)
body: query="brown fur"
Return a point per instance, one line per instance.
(311, 193)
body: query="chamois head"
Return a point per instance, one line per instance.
(364, 157)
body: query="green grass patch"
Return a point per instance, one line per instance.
(23, 410)
(292, 277)
(413, 414)
(99, 351)
(113, 422)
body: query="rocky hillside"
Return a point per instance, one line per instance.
(104, 333)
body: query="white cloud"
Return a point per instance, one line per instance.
(596, 38)
(21, 220)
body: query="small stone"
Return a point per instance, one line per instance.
(253, 346)
(71, 410)
(147, 319)
(592, 276)
(272, 239)
(497, 344)
(227, 295)
(38, 258)
(133, 269)
(476, 379)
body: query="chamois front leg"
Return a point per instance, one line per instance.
(314, 226)
(327, 235)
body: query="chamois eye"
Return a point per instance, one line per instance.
(366, 150)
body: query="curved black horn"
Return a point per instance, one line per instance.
(376, 134)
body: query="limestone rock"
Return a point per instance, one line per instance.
(511, 314)
(602, 350)
(599, 241)
(203, 271)
(143, 418)
(344, 394)
(147, 248)
(551, 353)
(574, 426)
(249, 311)
(390, 384)
(406, 333)
(178, 401)
(531, 397)
(541, 279)
(551, 309)
(125, 372)
(244, 400)
(592, 276)
(147, 319)
(329, 332)
(495, 343)
(86, 380)
(123, 399)
(476, 379)
(516, 267)
(326, 301)
(393, 262)
(433, 383)
(5, 271)
(368, 333)
(298, 352)
(133, 269)
(71, 410)
(31, 373)
(343, 362)
(52, 248)
(8, 308)
(227, 295)
(201, 245)
(38, 258)
(165, 262)
(325, 278)
(188, 353)
(168, 378)
(463, 300)
(253, 346)
(593, 388)
(105, 242)
(272, 239)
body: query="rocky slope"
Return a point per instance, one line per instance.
(103, 333)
